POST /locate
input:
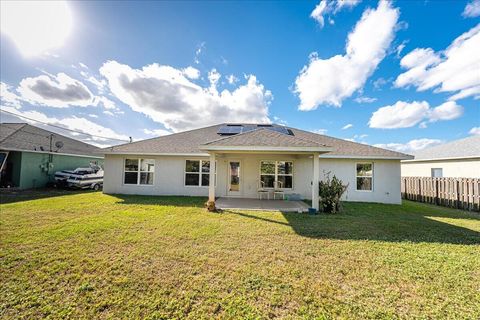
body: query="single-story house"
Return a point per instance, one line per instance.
(29, 156)
(456, 159)
(244, 159)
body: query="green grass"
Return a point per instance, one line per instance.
(89, 255)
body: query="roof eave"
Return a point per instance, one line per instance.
(265, 149)
(369, 157)
(179, 154)
(442, 159)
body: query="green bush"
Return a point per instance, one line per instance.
(330, 192)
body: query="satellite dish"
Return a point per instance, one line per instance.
(59, 144)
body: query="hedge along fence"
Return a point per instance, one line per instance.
(461, 193)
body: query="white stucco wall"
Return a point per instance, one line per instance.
(169, 176)
(451, 169)
(386, 179)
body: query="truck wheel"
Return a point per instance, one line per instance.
(96, 187)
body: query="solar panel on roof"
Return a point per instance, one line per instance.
(232, 129)
(280, 130)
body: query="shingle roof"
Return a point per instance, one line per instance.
(25, 137)
(189, 142)
(262, 138)
(463, 148)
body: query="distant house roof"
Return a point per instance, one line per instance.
(463, 148)
(25, 137)
(195, 142)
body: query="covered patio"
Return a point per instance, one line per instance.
(225, 203)
(259, 146)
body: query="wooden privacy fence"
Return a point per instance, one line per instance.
(461, 193)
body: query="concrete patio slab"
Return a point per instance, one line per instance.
(260, 205)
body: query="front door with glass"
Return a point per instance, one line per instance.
(234, 178)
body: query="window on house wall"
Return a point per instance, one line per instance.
(437, 172)
(139, 171)
(364, 176)
(197, 173)
(281, 171)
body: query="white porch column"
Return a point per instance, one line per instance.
(211, 187)
(315, 180)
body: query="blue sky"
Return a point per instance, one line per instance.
(403, 74)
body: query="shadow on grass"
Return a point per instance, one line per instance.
(410, 222)
(12, 196)
(177, 201)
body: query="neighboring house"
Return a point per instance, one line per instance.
(243, 158)
(29, 155)
(459, 158)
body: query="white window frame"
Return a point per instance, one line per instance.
(432, 170)
(200, 173)
(139, 171)
(372, 176)
(276, 174)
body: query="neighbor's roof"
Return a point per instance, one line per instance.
(463, 148)
(25, 137)
(190, 142)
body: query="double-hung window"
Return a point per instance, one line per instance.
(139, 171)
(364, 176)
(276, 171)
(197, 173)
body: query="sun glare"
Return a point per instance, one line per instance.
(36, 26)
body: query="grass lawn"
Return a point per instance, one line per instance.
(89, 255)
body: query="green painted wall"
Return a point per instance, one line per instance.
(15, 159)
(33, 176)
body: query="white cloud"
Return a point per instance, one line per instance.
(100, 84)
(191, 72)
(472, 9)
(280, 121)
(410, 146)
(108, 113)
(329, 81)
(365, 100)
(8, 97)
(330, 7)
(453, 70)
(164, 94)
(60, 91)
(156, 132)
(347, 126)
(446, 111)
(107, 103)
(359, 138)
(198, 52)
(72, 123)
(475, 131)
(84, 66)
(472, 91)
(405, 114)
(380, 82)
(400, 48)
(91, 115)
(232, 79)
(320, 131)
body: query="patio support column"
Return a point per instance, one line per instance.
(211, 187)
(315, 180)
